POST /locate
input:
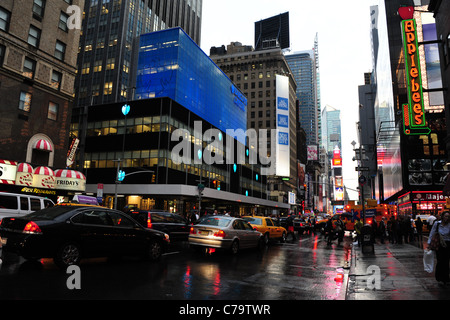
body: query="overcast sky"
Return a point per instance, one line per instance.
(343, 29)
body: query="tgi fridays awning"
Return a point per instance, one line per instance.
(43, 145)
(8, 171)
(67, 179)
(42, 177)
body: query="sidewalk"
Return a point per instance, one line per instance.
(402, 276)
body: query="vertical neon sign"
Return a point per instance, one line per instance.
(414, 122)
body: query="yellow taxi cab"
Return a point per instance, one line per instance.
(267, 227)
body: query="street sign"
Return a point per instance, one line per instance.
(361, 168)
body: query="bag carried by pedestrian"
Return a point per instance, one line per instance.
(437, 240)
(428, 260)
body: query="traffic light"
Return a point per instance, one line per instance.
(120, 175)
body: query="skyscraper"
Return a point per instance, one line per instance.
(304, 69)
(108, 47)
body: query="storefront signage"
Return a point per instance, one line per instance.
(8, 171)
(72, 151)
(38, 191)
(413, 113)
(40, 178)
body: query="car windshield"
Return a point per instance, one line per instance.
(253, 220)
(215, 221)
(49, 213)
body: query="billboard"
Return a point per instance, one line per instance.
(282, 138)
(312, 153)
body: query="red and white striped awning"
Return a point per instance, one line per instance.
(43, 145)
(44, 171)
(11, 165)
(24, 167)
(66, 173)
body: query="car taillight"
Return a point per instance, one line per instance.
(32, 227)
(220, 234)
(149, 221)
(192, 231)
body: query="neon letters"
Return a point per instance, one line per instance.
(413, 112)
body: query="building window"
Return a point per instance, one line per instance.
(2, 54)
(110, 64)
(86, 68)
(38, 9)
(5, 17)
(25, 101)
(53, 111)
(56, 80)
(63, 21)
(60, 50)
(108, 88)
(34, 35)
(98, 66)
(29, 68)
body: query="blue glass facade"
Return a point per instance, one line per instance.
(172, 65)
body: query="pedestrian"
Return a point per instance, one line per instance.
(430, 221)
(339, 229)
(443, 251)
(419, 226)
(358, 227)
(290, 226)
(329, 231)
(382, 229)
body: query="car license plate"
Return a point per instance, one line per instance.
(204, 233)
(3, 241)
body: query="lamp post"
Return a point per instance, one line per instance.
(125, 110)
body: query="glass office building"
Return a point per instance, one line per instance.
(303, 68)
(172, 65)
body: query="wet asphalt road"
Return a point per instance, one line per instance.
(301, 269)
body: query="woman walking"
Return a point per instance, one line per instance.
(442, 228)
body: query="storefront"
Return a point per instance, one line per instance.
(421, 202)
(59, 185)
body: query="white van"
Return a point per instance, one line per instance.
(16, 205)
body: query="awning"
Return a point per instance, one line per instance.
(24, 176)
(24, 167)
(43, 145)
(44, 171)
(44, 177)
(66, 173)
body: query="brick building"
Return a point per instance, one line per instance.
(38, 55)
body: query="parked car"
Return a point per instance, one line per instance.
(224, 232)
(69, 232)
(17, 205)
(270, 229)
(176, 226)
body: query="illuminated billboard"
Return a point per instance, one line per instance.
(414, 122)
(282, 139)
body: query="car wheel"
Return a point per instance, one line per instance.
(154, 251)
(234, 247)
(68, 254)
(283, 237)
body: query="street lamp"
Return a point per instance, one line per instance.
(119, 177)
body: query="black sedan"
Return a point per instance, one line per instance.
(68, 233)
